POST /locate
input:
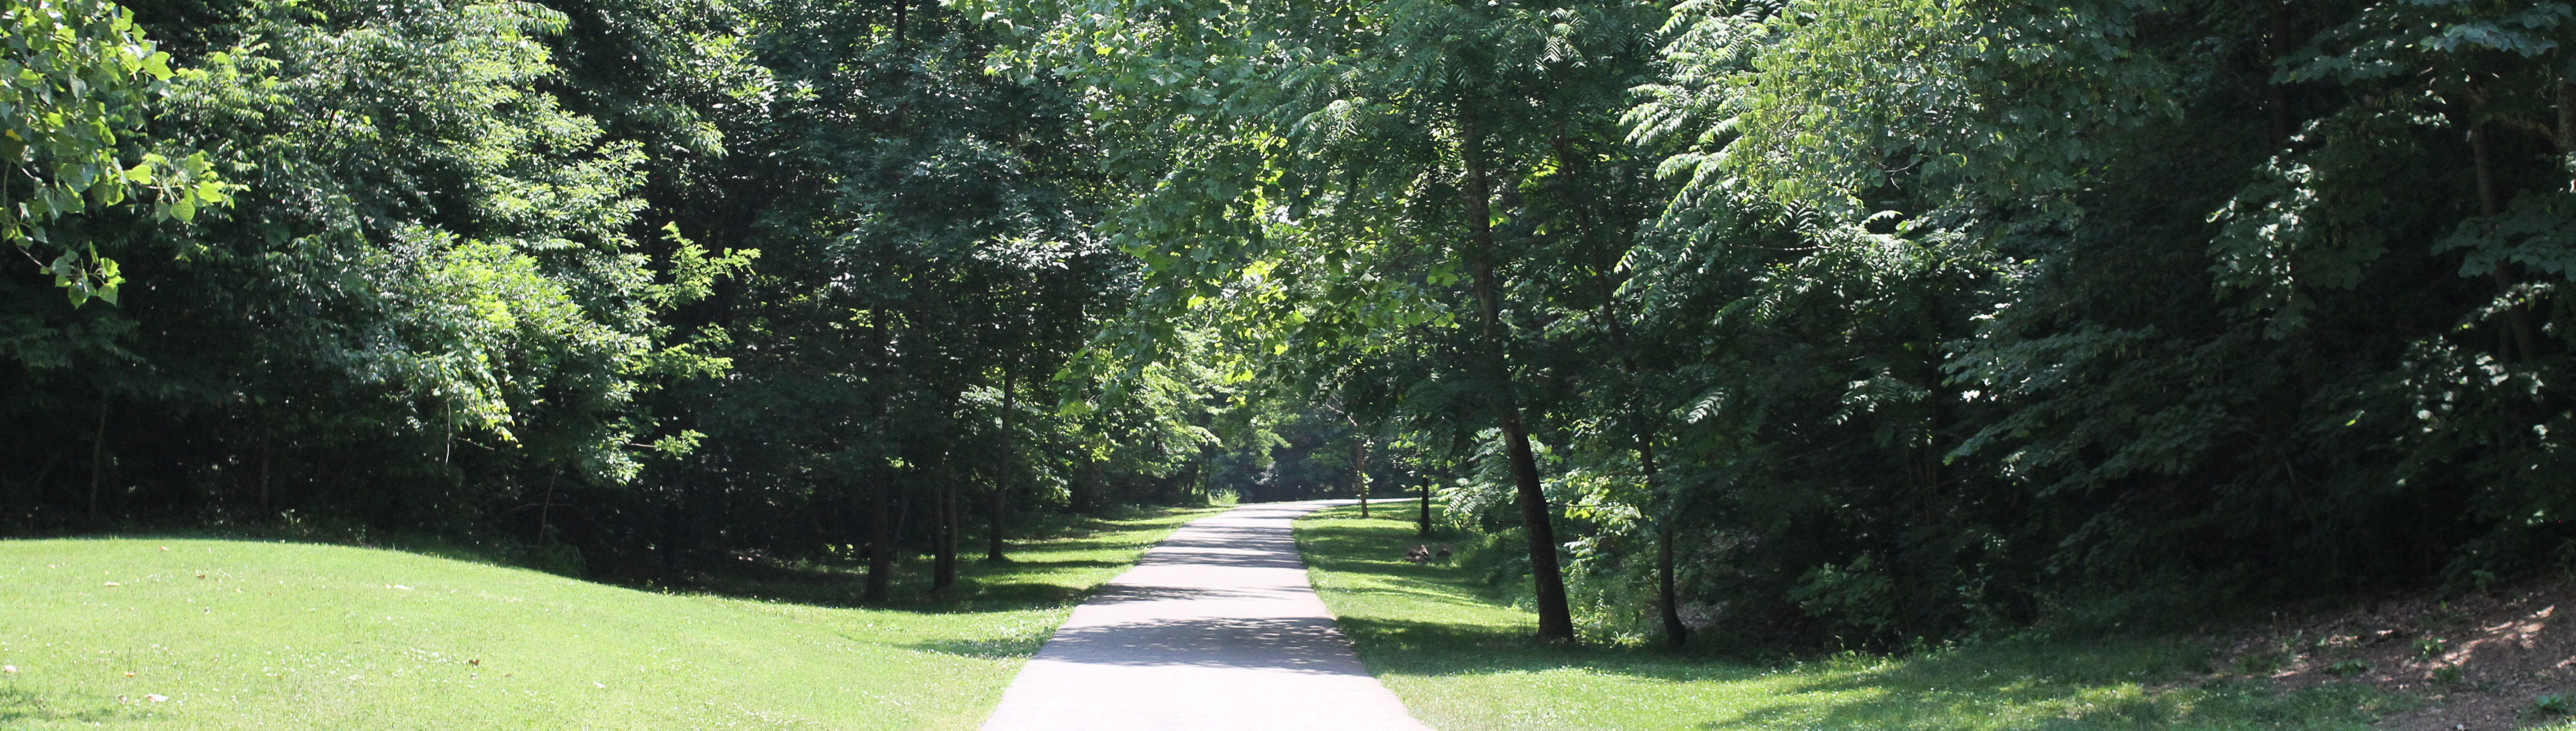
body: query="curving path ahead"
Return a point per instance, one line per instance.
(1215, 629)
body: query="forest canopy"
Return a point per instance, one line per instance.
(1777, 321)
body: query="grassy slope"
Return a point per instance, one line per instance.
(1463, 663)
(272, 635)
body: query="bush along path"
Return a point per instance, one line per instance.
(1217, 628)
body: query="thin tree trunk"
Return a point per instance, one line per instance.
(1002, 476)
(267, 452)
(1676, 634)
(882, 536)
(943, 561)
(38, 486)
(1667, 592)
(1092, 489)
(97, 453)
(1359, 472)
(697, 542)
(902, 519)
(2567, 131)
(1555, 619)
(545, 510)
(881, 530)
(2487, 202)
(879, 586)
(2525, 344)
(670, 544)
(1423, 522)
(2276, 98)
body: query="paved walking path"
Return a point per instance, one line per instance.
(1215, 629)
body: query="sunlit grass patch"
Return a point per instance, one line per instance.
(1463, 662)
(208, 634)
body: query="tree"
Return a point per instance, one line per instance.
(1367, 155)
(82, 77)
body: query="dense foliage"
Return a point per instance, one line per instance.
(1888, 320)
(628, 284)
(1790, 320)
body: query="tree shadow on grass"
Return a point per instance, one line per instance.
(1014, 585)
(1005, 597)
(997, 648)
(2112, 683)
(18, 705)
(1452, 626)
(1453, 649)
(1041, 565)
(1070, 545)
(2043, 705)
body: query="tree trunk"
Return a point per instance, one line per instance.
(545, 510)
(1676, 634)
(1089, 498)
(2525, 344)
(267, 452)
(697, 541)
(1555, 620)
(97, 452)
(1002, 475)
(37, 487)
(1422, 523)
(2276, 98)
(880, 585)
(1359, 472)
(1667, 596)
(2567, 131)
(1667, 593)
(671, 536)
(902, 520)
(943, 562)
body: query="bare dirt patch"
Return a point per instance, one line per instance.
(2484, 661)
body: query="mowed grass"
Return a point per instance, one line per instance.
(206, 634)
(1462, 662)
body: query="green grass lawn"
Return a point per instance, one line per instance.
(1462, 662)
(207, 634)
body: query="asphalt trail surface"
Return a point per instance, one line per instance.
(1216, 628)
